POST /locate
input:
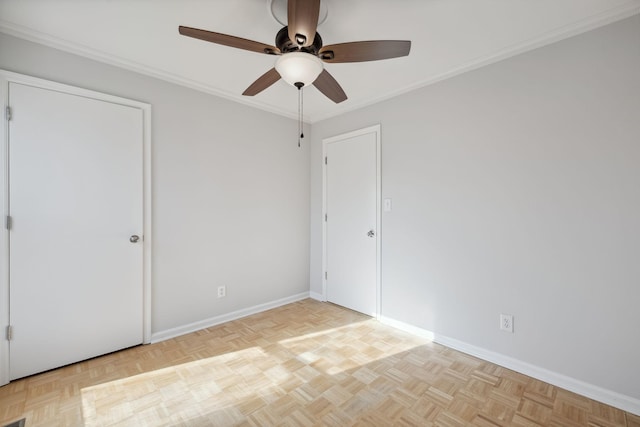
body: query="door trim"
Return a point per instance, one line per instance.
(338, 138)
(7, 77)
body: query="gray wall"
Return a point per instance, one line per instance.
(516, 189)
(230, 190)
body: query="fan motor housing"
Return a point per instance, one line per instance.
(284, 43)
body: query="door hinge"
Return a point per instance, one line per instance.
(326, 275)
(9, 333)
(325, 217)
(325, 160)
(9, 222)
(7, 113)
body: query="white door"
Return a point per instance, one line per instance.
(75, 198)
(351, 236)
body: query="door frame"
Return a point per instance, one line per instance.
(375, 129)
(7, 77)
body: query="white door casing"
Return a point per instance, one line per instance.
(69, 157)
(351, 226)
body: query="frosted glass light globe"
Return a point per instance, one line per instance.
(299, 67)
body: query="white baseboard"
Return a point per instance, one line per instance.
(213, 321)
(407, 328)
(609, 397)
(316, 296)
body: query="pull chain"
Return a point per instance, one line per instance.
(300, 112)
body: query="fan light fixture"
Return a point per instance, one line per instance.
(299, 67)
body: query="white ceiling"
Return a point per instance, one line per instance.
(448, 37)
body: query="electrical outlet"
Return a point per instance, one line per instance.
(506, 322)
(222, 291)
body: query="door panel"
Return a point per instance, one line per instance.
(351, 186)
(75, 196)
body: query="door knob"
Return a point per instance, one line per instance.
(134, 238)
(371, 233)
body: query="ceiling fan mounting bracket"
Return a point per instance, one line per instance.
(278, 11)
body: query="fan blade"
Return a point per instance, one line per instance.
(263, 82)
(330, 87)
(365, 51)
(302, 19)
(227, 40)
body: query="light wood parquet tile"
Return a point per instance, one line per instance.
(632, 420)
(305, 364)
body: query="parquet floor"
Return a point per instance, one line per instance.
(304, 364)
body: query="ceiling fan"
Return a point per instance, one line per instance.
(301, 52)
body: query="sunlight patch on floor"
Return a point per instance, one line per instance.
(281, 368)
(178, 393)
(342, 348)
